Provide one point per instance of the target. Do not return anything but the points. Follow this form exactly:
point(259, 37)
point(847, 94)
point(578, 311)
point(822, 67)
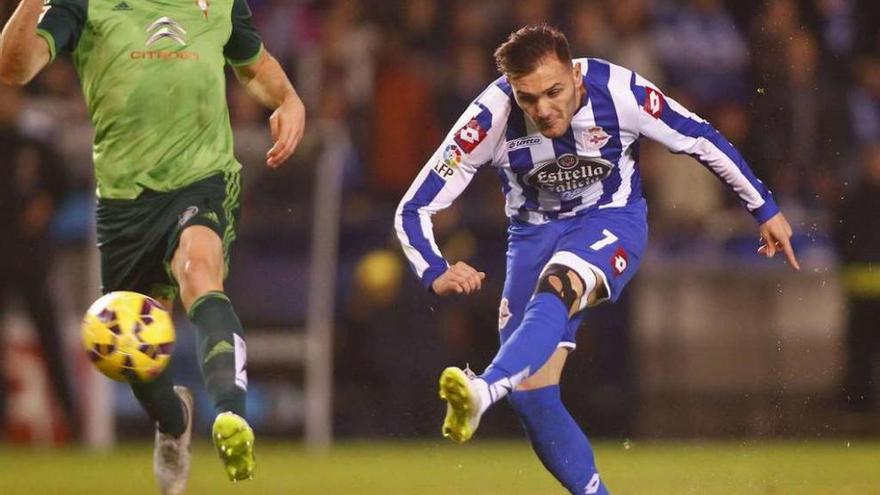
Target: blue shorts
point(610, 241)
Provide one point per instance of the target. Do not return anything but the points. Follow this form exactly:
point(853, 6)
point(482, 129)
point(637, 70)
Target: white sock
point(491, 393)
point(482, 389)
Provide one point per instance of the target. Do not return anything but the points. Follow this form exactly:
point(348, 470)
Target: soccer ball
point(128, 336)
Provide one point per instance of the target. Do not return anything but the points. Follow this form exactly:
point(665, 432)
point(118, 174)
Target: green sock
point(161, 403)
point(221, 350)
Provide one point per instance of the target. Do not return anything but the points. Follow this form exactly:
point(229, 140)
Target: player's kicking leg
point(199, 266)
point(559, 295)
point(557, 439)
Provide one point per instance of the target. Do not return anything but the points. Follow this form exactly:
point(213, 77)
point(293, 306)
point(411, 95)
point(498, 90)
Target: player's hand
point(287, 124)
point(776, 236)
point(459, 278)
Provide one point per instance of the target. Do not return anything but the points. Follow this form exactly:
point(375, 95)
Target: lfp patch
point(452, 156)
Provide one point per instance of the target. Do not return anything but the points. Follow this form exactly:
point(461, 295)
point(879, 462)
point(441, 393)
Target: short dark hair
point(527, 47)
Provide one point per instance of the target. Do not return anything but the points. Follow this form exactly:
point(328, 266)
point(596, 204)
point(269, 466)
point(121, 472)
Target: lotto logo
point(619, 261)
point(523, 142)
point(469, 136)
point(654, 102)
point(593, 485)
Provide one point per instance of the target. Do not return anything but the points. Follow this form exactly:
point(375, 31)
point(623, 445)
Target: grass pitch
point(481, 467)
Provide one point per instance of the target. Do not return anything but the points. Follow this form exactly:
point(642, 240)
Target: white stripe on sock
point(500, 389)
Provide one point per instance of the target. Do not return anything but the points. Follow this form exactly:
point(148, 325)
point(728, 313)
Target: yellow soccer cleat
point(234, 440)
point(462, 405)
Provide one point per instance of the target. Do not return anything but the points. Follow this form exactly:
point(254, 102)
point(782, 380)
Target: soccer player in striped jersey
point(562, 135)
point(153, 78)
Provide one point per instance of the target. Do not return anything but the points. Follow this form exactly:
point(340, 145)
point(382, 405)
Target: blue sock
point(558, 440)
point(530, 345)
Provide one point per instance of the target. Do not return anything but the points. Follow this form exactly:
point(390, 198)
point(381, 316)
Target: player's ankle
point(484, 397)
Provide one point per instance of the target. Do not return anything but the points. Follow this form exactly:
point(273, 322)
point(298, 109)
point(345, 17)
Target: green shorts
point(138, 237)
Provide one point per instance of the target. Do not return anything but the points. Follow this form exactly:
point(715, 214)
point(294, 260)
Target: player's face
point(550, 95)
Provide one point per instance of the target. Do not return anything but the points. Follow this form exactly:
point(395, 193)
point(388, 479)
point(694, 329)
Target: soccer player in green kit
point(152, 73)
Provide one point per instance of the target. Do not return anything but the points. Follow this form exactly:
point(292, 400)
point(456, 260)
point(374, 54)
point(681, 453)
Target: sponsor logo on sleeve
point(469, 136)
point(654, 102)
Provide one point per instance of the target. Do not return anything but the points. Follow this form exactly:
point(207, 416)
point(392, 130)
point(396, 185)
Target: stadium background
point(711, 341)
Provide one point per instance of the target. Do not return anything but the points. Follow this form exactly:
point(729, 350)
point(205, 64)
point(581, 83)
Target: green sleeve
point(62, 23)
point(245, 44)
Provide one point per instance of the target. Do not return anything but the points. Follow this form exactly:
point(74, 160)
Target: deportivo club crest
point(595, 137)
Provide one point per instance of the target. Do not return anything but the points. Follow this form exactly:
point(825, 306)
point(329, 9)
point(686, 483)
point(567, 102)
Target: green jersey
point(152, 72)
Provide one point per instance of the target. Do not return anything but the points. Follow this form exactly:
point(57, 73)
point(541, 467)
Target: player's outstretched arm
point(681, 131)
point(459, 278)
point(776, 236)
point(23, 53)
point(266, 81)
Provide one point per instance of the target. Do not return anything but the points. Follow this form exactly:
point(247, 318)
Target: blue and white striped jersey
point(594, 165)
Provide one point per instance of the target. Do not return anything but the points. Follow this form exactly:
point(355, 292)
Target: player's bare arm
point(776, 236)
point(266, 81)
point(459, 278)
point(23, 53)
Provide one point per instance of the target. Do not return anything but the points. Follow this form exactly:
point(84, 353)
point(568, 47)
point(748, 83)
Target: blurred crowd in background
point(795, 85)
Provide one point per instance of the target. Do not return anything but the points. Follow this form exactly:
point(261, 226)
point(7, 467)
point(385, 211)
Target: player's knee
point(197, 271)
point(564, 283)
